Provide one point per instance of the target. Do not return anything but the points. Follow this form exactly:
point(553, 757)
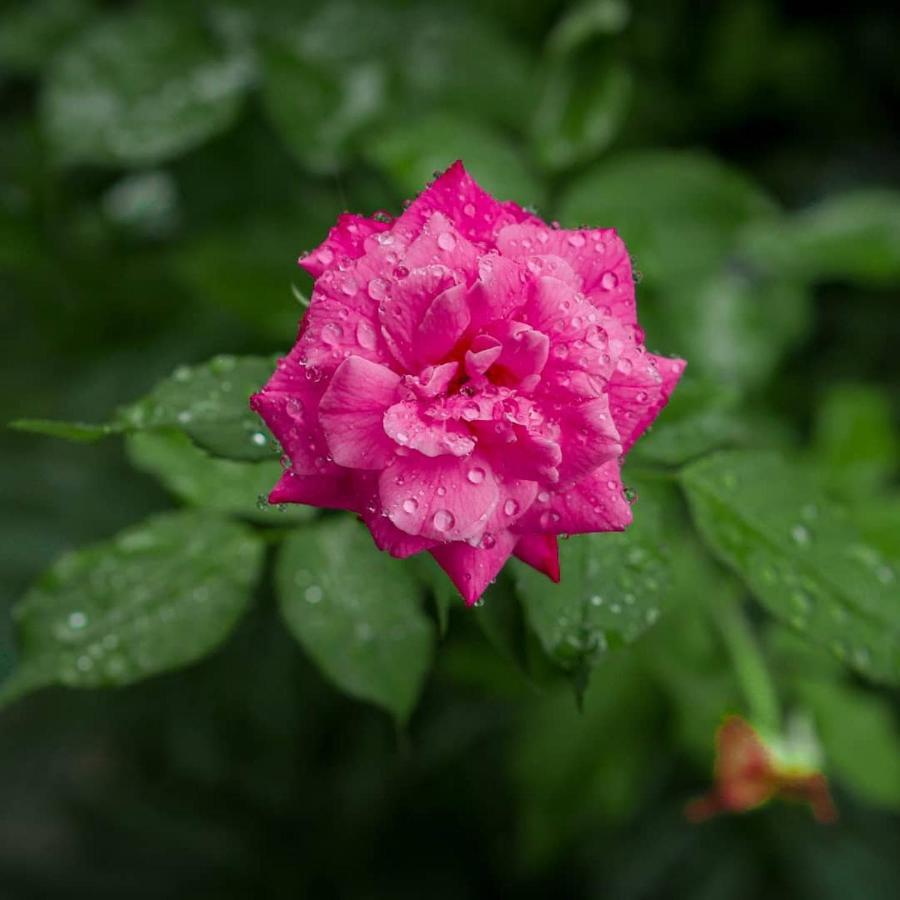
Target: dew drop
point(332, 334)
point(77, 620)
point(511, 507)
point(576, 239)
point(377, 289)
point(365, 335)
point(469, 210)
point(410, 505)
point(475, 475)
point(801, 535)
point(443, 520)
point(313, 594)
point(608, 281)
point(446, 241)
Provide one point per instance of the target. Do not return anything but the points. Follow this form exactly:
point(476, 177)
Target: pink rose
point(467, 379)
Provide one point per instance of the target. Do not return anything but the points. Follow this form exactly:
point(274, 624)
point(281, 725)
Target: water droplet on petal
point(443, 520)
point(410, 505)
point(511, 507)
point(332, 333)
point(608, 281)
point(446, 241)
point(475, 475)
point(365, 335)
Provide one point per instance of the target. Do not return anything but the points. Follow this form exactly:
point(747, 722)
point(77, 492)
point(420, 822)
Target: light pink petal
point(500, 289)
point(483, 353)
point(352, 414)
point(440, 244)
point(525, 353)
point(540, 551)
point(407, 426)
point(401, 313)
point(596, 503)
point(444, 323)
point(344, 241)
point(334, 491)
point(391, 539)
point(476, 214)
point(596, 255)
point(589, 438)
point(639, 389)
point(519, 452)
point(441, 498)
point(472, 569)
point(432, 380)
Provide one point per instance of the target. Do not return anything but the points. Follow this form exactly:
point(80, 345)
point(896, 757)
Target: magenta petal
point(540, 551)
point(391, 539)
point(484, 352)
point(596, 503)
point(325, 491)
point(476, 214)
point(407, 427)
point(441, 498)
point(588, 437)
point(472, 569)
point(444, 323)
point(352, 414)
point(638, 391)
point(345, 240)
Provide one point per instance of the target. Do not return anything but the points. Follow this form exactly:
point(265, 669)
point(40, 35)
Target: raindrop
point(476, 475)
point(410, 505)
point(332, 334)
point(446, 241)
point(801, 535)
point(365, 335)
point(488, 542)
point(313, 594)
point(576, 240)
point(259, 439)
point(377, 289)
point(608, 281)
point(443, 520)
point(511, 507)
point(469, 210)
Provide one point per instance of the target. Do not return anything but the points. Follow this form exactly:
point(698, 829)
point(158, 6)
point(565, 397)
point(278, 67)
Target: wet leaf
point(357, 613)
point(801, 557)
point(157, 596)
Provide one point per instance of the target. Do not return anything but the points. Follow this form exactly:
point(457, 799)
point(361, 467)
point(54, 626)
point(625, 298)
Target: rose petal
point(540, 551)
point(472, 569)
point(345, 240)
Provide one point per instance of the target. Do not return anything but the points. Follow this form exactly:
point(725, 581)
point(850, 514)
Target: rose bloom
point(467, 379)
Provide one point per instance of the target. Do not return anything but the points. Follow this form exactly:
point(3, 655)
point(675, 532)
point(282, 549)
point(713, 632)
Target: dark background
point(247, 775)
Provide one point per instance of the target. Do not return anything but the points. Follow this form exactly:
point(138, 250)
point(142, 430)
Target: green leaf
point(701, 416)
point(613, 588)
point(860, 736)
point(580, 112)
point(412, 152)
point(357, 612)
point(735, 326)
point(223, 485)
point(138, 88)
point(765, 517)
point(586, 20)
point(853, 236)
point(855, 440)
point(678, 212)
point(326, 81)
point(158, 596)
point(79, 432)
point(209, 402)
point(31, 32)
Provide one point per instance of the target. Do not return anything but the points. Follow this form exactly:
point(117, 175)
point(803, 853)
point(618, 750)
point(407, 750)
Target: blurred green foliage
point(162, 165)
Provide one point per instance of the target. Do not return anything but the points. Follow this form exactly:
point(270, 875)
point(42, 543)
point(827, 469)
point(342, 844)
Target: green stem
point(749, 666)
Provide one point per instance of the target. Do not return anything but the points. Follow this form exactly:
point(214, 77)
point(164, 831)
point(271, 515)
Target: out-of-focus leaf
point(576, 769)
point(804, 561)
point(80, 432)
point(456, 61)
point(446, 597)
point(326, 80)
point(143, 204)
point(140, 87)
point(855, 439)
point(248, 269)
point(585, 20)
point(701, 416)
point(412, 152)
point(735, 326)
point(580, 112)
point(860, 737)
point(678, 213)
point(159, 595)
point(223, 485)
point(853, 236)
point(209, 402)
point(31, 32)
point(357, 613)
point(613, 588)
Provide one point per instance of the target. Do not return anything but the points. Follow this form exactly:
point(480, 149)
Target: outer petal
point(327, 491)
point(391, 539)
point(639, 389)
point(472, 569)
point(474, 211)
point(440, 243)
point(541, 552)
point(346, 239)
point(352, 414)
point(444, 498)
point(596, 503)
point(588, 438)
